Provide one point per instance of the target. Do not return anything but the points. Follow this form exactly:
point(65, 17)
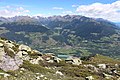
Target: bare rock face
point(9, 63)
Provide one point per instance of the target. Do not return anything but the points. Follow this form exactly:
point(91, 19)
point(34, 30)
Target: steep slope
point(20, 62)
point(84, 27)
point(90, 29)
point(24, 26)
point(19, 30)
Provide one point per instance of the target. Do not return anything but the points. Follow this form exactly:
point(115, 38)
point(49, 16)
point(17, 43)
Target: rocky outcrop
point(11, 56)
point(23, 55)
point(9, 44)
point(24, 48)
point(74, 60)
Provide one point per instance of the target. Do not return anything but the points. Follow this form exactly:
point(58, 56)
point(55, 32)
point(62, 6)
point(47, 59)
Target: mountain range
point(69, 34)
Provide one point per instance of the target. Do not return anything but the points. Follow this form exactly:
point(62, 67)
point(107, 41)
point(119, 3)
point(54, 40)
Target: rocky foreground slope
point(20, 62)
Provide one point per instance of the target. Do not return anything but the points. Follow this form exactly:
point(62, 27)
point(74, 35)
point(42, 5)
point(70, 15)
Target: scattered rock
point(102, 66)
point(92, 67)
point(1, 45)
point(37, 73)
point(36, 52)
point(60, 73)
point(37, 77)
point(24, 48)
point(23, 55)
point(89, 78)
point(9, 45)
point(107, 76)
point(117, 65)
point(42, 75)
point(48, 58)
point(74, 60)
point(45, 78)
point(50, 61)
point(5, 74)
point(56, 59)
point(22, 69)
point(36, 61)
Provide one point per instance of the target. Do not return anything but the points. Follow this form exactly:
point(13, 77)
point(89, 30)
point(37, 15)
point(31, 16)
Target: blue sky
point(107, 9)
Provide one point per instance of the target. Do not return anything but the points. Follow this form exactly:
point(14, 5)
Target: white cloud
point(20, 8)
point(9, 11)
point(98, 10)
point(42, 15)
point(75, 5)
point(8, 7)
point(57, 8)
point(67, 12)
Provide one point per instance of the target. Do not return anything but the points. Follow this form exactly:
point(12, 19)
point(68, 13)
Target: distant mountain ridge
point(85, 27)
point(80, 25)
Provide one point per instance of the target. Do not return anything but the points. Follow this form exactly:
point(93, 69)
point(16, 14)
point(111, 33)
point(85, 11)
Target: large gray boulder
point(9, 63)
